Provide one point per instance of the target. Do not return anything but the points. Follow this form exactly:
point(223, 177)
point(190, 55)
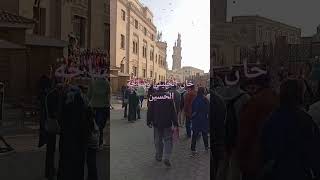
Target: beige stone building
point(184, 73)
point(227, 38)
point(136, 50)
point(44, 38)
point(88, 20)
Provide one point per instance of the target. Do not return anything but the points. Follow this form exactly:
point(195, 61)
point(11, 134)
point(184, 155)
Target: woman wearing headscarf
point(200, 119)
point(133, 105)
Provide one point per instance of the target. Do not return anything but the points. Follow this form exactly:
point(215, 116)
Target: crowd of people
point(75, 106)
point(170, 106)
point(262, 130)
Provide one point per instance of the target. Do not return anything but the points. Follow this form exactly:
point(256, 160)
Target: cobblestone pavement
point(28, 161)
point(132, 154)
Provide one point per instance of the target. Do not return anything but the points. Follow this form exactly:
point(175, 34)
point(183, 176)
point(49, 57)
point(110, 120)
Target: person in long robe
point(133, 106)
point(73, 139)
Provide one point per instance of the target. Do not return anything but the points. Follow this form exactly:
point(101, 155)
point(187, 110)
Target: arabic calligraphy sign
point(169, 96)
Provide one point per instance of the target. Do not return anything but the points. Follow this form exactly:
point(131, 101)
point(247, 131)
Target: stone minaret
point(176, 57)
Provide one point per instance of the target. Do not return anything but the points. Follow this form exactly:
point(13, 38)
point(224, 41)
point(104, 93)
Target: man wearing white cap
point(188, 99)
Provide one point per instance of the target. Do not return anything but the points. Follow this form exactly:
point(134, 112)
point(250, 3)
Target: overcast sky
point(303, 14)
point(190, 18)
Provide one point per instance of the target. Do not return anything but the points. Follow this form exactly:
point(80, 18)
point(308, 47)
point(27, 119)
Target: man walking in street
point(181, 116)
point(163, 132)
point(125, 101)
point(141, 94)
point(133, 106)
point(99, 98)
point(188, 99)
point(176, 97)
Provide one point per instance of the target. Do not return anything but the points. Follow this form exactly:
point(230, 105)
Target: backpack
point(231, 124)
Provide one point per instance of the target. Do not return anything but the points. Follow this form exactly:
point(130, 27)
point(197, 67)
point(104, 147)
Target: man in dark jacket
point(162, 103)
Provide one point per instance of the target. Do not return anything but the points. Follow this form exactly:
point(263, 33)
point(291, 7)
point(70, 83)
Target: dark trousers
point(101, 119)
point(92, 164)
point(72, 157)
point(139, 113)
point(132, 114)
point(141, 100)
point(125, 115)
point(195, 136)
point(188, 127)
point(50, 156)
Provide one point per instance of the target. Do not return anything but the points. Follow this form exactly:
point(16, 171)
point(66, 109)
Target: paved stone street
point(28, 161)
point(132, 154)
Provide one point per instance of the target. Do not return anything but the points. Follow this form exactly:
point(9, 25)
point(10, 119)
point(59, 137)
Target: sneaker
point(167, 163)
point(159, 159)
